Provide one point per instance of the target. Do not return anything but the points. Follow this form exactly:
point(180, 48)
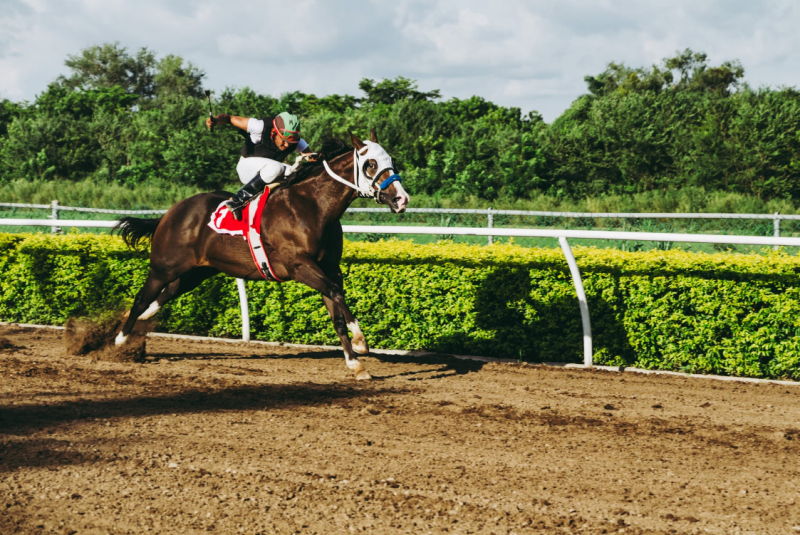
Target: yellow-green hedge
point(708, 313)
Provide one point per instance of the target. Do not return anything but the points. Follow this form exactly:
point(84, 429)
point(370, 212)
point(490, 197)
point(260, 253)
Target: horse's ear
point(372, 136)
point(357, 143)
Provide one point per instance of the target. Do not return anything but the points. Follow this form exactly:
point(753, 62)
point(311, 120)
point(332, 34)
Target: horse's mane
point(331, 148)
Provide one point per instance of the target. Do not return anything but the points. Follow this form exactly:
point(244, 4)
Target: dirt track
point(234, 438)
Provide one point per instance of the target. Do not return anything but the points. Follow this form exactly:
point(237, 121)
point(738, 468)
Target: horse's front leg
point(344, 322)
point(358, 339)
point(333, 295)
point(337, 308)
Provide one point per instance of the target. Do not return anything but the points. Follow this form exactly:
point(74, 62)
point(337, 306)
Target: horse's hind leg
point(142, 308)
point(185, 283)
point(150, 305)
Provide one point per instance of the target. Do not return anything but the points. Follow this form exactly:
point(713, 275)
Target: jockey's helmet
point(288, 126)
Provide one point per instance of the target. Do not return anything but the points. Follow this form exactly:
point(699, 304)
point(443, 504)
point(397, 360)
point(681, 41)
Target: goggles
point(289, 135)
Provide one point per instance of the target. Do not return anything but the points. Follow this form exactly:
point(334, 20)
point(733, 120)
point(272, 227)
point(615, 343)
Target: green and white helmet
point(287, 125)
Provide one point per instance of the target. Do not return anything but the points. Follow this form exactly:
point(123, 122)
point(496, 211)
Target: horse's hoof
point(120, 339)
point(363, 375)
point(361, 349)
point(358, 369)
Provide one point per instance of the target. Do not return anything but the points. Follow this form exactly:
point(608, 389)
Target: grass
point(94, 194)
point(98, 194)
point(162, 195)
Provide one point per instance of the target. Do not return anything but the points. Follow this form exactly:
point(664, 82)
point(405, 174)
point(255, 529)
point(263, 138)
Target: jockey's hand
point(222, 118)
point(311, 156)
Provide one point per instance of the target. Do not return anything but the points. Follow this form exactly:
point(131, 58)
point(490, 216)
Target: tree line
point(134, 118)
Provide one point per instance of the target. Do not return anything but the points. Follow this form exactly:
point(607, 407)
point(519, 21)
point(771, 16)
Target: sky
point(529, 54)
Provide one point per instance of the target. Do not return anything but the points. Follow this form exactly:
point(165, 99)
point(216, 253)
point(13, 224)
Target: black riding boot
point(243, 196)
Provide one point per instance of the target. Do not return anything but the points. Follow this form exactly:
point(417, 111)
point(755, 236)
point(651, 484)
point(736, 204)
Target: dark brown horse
point(300, 230)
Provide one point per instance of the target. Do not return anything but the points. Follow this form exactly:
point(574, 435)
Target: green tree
point(173, 77)
point(688, 70)
point(110, 65)
point(8, 112)
point(136, 119)
point(643, 129)
point(695, 74)
point(618, 77)
point(247, 103)
point(57, 136)
point(390, 91)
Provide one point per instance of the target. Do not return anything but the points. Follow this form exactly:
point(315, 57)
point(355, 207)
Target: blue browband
point(394, 178)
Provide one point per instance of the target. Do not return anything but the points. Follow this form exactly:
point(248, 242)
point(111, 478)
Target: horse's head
point(376, 174)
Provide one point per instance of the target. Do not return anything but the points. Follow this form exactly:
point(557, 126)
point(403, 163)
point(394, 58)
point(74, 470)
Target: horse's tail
point(134, 229)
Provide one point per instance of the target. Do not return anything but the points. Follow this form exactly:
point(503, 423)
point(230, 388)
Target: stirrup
point(235, 208)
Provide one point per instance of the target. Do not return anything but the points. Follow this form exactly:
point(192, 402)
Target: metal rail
point(490, 213)
point(477, 211)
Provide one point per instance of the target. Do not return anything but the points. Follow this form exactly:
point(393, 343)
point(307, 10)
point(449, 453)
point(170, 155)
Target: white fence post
point(776, 227)
point(54, 215)
point(489, 224)
point(583, 304)
point(244, 308)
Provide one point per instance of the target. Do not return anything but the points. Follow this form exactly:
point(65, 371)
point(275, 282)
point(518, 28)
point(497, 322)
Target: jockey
point(262, 153)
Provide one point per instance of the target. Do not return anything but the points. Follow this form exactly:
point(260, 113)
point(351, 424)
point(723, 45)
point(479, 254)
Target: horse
point(300, 231)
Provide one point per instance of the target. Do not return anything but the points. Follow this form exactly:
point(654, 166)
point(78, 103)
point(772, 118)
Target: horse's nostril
point(400, 202)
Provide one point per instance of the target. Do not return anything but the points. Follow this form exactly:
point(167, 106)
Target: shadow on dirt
point(248, 353)
point(25, 419)
point(40, 453)
point(449, 365)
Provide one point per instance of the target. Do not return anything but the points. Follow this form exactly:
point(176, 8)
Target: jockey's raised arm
point(224, 118)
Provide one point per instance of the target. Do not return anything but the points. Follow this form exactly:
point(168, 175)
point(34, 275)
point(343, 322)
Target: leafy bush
point(707, 313)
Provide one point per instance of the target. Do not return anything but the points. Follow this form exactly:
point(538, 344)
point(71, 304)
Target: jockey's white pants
point(270, 170)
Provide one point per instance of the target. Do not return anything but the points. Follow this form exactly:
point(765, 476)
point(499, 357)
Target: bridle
point(366, 185)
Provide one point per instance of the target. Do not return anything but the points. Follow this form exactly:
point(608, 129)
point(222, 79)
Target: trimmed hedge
point(723, 313)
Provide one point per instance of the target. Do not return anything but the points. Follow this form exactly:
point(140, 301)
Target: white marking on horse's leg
point(120, 339)
point(359, 342)
point(357, 367)
point(150, 312)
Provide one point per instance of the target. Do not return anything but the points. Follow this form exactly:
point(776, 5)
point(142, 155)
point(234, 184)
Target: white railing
point(55, 210)
point(561, 235)
point(490, 213)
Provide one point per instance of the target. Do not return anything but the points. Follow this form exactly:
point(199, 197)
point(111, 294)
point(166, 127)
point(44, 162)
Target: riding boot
point(243, 196)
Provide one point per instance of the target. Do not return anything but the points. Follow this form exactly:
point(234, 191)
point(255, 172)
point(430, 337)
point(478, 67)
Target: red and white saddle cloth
point(249, 228)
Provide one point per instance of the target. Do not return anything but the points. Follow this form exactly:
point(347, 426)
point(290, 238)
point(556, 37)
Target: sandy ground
point(245, 438)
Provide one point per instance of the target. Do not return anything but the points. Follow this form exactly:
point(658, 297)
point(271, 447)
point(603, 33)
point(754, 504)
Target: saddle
point(249, 228)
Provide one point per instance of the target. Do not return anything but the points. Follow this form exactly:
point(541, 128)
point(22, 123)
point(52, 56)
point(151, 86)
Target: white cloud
point(524, 53)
